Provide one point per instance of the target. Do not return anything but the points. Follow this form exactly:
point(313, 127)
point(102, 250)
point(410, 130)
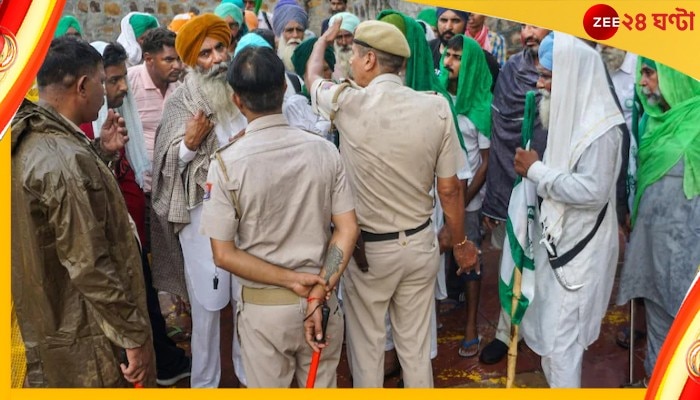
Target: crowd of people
point(331, 188)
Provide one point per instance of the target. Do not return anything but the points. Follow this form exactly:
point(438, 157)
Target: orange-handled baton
point(316, 357)
point(125, 360)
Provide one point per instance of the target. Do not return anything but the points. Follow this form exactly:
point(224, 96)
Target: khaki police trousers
point(275, 350)
point(401, 279)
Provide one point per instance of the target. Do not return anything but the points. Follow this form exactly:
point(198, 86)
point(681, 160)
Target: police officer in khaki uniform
point(394, 142)
point(271, 197)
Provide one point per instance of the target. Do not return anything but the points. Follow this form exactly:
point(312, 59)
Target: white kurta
point(584, 192)
point(200, 271)
point(576, 179)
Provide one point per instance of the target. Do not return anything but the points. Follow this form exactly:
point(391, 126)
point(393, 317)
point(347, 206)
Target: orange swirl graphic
point(8, 49)
point(693, 361)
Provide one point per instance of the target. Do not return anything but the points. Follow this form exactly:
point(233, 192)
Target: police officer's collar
point(265, 122)
point(386, 77)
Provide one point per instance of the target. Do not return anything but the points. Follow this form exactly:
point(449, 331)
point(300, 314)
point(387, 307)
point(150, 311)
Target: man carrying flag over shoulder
point(575, 261)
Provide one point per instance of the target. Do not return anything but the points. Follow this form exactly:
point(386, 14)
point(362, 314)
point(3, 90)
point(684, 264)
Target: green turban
point(224, 10)
point(397, 20)
point(67, 21)
point(141, 23)
point(231, 10)
point(237, 3)
point(301, 55)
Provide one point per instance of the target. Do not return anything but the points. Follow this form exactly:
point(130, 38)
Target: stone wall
point(101, 19)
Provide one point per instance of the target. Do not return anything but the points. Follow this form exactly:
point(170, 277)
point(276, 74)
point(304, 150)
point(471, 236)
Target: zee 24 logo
point(601, 21)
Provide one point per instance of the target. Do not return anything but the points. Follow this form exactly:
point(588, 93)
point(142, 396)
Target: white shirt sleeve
point(464, 170)
point(590, 183)
point(468, 131)
point(484, 142)
point(185, 156)
point(300, 115)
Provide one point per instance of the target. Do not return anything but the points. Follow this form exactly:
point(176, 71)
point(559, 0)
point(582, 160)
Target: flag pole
point(514, 330)
point(527, 128)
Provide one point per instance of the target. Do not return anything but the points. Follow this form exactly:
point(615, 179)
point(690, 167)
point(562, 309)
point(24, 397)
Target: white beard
point(653, 98)
point(285, 51)
point(342, 62)
point(217, 91)
point(544, 108)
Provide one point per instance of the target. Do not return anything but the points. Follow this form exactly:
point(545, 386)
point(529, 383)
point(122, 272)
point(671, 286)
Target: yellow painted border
point(672, 47)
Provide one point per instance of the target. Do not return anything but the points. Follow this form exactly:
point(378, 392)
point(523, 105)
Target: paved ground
point(605, 364)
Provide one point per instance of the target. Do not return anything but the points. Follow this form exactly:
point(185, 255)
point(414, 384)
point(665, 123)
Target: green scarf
point(420, 73)
point(429, 16)
point(474, 86)
point(258, 4)
point(666, 137)
point(67, 21)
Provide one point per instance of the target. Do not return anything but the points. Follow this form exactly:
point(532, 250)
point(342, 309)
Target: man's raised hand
point(332, 31)
point(113, 134)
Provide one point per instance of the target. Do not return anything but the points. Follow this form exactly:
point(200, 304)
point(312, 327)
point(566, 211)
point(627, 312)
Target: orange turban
point(191, 35)
point(251, 20)
point(180, 20)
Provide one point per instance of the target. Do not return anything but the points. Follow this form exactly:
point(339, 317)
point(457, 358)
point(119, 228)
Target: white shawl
point(127, 38)
point(136, 146)
point(582, 109)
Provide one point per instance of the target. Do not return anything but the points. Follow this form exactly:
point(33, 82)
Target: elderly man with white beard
point(575, 262)
point(197, 119)
point(343, 43)
point(289, 25)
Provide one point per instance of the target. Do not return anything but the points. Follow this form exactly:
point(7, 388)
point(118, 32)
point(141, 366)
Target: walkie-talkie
point(325, 314)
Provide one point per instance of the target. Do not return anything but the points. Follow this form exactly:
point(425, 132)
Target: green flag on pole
point(517, 249)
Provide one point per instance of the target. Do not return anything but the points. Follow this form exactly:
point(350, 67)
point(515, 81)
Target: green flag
point(517, 248)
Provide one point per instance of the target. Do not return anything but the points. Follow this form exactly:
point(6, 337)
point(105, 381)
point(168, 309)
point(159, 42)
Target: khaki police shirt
point(394, 141)
point(289, 183)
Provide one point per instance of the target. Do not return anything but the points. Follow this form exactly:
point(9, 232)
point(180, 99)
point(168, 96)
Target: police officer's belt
point(378, 237)
point(269, 296)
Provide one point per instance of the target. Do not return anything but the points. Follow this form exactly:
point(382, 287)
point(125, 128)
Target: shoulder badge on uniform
point(207, 191)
